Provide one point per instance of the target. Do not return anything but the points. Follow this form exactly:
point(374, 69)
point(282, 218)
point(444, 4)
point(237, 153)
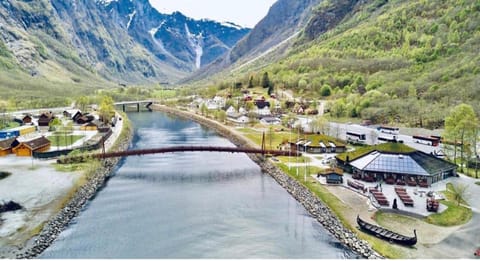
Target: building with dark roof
point(410, 168)
point(6, 146)
point(27, 148)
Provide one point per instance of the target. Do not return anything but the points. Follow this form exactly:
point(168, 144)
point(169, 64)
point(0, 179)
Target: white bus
point(389, 130)
point(356, 137)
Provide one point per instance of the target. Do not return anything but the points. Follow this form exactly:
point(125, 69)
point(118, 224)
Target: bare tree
point(459, 192)
point(373, 137)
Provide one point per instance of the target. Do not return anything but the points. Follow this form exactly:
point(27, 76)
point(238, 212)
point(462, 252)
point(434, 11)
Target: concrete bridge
point(124, 104)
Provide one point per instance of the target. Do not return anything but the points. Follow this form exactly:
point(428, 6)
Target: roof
point(415, 163)
point(319, 140)
point(389, 147)
point(37, 143)
point(6, 144)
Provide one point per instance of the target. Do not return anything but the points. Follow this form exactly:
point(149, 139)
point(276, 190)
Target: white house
point(231, 112)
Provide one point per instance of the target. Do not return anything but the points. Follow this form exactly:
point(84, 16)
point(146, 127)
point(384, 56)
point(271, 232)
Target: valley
point(372, 93)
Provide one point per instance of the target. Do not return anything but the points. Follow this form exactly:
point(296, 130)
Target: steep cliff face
point(123, 40)
point(284, 19)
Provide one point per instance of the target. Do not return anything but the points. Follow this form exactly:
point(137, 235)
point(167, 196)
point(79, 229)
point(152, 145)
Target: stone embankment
point(58, 223)
point(303, 195)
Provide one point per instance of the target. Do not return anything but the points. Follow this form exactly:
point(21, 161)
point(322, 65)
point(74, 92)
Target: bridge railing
point(181, 149)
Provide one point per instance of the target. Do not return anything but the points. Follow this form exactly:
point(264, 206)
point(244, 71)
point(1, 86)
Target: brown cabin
point(45, 119)
point(27, 148)
point(27, 119)
point(6, 146)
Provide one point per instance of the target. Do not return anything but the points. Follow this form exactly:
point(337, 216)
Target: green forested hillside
point(404, 61)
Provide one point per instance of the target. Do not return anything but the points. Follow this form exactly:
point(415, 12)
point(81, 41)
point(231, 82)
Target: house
point(317, 143)
point(333, 176)
point(26, 148)
point(89, 126)
point(270, 121)
point(399, 164)
point(240, 120)
point(77, 115)
point(231, 112)
point(261, 112)
point(84, 119)
point(45, 119)
point(6, 146)
point(70, 113)
point(27, 119)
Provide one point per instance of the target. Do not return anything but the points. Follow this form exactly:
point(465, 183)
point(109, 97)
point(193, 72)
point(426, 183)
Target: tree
point(373, 137)
point(106, 108)
point(82, 103)
point(221, 116)
point(270, 89)
point(460, 125)
point(326, 90)
point(203, 109)
point(319, 124)
point(250, 82)
point(54, 124)
point(270, 136)
point(458, 192)
point(265, 80)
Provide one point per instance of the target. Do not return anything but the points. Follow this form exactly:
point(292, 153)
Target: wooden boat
point(387, 234)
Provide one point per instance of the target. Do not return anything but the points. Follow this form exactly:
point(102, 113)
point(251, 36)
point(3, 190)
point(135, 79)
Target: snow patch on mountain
point(232, 25)
point(106, 2)
point(130, 16)
point(196, 42)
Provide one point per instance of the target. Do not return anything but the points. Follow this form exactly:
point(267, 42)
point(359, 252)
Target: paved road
point(463, 242)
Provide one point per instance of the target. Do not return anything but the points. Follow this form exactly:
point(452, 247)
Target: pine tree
point(250, 82)
point(265, 80)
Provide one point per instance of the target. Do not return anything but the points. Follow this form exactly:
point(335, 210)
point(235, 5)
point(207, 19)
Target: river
point(192, 205)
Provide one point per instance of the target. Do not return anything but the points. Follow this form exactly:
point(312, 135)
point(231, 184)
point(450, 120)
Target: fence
point(58, 153)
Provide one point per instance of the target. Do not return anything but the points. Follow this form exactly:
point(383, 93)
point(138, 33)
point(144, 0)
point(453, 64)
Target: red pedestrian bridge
point(173, 149)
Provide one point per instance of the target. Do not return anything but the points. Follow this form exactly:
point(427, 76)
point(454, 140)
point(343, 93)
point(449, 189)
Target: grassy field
point(61, 140)
point(454, 215)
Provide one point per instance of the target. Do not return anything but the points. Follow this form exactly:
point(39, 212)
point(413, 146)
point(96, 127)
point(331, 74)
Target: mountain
point(273, 36)
point(407, 62)
point(85, 43)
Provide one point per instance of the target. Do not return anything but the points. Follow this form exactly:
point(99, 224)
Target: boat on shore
point(386, 234)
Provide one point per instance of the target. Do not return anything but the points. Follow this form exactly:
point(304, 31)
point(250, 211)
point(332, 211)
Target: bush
point(4, 174)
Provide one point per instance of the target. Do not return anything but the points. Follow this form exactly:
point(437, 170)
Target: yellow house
point(89, 127)
point(27, 148)
point(6, 146)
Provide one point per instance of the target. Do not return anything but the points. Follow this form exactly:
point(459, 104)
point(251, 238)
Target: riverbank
point(74, 199)
point(312, 204)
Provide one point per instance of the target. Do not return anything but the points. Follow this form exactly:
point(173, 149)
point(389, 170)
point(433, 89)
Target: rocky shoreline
point(303, 195)
point(60, 221)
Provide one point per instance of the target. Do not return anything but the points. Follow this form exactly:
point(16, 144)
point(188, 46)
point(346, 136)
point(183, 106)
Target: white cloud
point(242, 12)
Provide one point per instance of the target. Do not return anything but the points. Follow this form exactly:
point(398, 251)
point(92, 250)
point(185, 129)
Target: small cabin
point(89, 126)
point(27, 120)
point(333, 176)
point(27, 148)
point(6, 146)
point(45, 119)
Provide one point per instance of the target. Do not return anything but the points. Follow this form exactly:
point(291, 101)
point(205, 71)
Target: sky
point(246, 13)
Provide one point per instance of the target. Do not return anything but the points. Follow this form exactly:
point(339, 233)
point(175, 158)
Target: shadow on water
point(183, 177)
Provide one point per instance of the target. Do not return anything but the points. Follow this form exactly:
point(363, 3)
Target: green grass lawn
point(61, 140)
point(384, 147)
point(453, 216)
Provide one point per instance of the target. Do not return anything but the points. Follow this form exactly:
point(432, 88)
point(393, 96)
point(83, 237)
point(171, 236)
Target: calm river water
point(192, 205)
